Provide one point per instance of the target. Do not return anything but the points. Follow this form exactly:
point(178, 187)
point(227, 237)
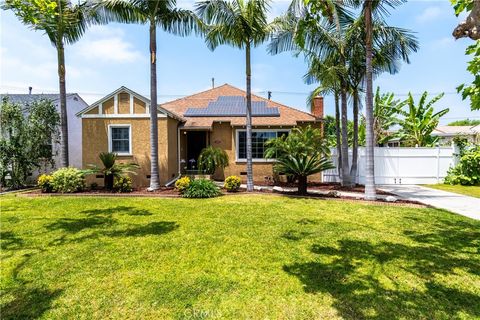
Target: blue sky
point(113, 55)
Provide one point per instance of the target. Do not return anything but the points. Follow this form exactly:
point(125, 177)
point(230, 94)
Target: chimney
point(213, 83)
point(30, 90)
point(317, 107)
point(269, 95)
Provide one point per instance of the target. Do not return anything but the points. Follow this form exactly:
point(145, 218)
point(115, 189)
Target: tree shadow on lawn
point(10, 241)
point(386, 280)
point(28, 302)
point(131, 211)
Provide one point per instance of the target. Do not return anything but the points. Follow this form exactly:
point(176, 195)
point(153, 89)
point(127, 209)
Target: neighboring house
point(447, 133)
point(74, 104)
point(120, 122)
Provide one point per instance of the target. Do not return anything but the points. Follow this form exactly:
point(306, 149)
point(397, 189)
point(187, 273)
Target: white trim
point(100, 108)
point(147, 108)
point(131, 103)
point(115, 104)
point(129, 126)
point(121, 116)
point(237, 148)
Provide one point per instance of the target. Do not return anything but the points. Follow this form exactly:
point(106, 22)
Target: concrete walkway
point(457, 203)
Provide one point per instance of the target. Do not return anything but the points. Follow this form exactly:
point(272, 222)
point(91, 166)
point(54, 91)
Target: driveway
point(457, 203)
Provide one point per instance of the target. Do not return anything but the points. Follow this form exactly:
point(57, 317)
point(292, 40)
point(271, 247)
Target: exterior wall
point(95, 140)
point(123, 103)
point(224, 136)
point(139, 106)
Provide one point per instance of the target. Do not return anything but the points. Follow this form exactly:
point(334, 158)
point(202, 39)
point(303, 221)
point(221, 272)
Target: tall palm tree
point(155, 13)
point(242, 24)
point(64, 23)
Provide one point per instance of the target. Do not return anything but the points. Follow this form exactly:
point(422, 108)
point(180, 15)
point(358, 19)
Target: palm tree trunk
point(302, 185)
point(154, 174)
point(370, 193)
point(249, 119)
point(63, 103)
point(354, 168)
point(337, 135)
point(346, 181)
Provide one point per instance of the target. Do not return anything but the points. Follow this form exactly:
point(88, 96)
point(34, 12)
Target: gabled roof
point(287, 116)
point(129, 91)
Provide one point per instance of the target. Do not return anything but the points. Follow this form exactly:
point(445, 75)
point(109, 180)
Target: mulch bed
point(322, 186)
point(169, 192)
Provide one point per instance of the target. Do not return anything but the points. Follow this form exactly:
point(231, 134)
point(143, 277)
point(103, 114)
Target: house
point(74, 104)
point(120, 123)
point(447, 133)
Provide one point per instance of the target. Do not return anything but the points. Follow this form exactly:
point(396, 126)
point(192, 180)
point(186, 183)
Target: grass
point(237, 257)
point(472, 191)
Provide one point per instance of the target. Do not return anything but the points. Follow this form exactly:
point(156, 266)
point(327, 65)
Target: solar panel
point(232, 106)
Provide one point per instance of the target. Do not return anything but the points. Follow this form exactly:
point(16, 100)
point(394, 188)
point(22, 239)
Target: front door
point(196, 141)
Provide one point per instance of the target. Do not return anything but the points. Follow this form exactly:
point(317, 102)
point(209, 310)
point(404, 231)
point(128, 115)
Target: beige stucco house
point(119, 123)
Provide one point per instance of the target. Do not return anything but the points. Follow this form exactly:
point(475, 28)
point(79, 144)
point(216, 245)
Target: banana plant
point(419, 120)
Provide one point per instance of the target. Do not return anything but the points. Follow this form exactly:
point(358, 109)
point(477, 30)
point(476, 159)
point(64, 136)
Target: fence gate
point(401, 165)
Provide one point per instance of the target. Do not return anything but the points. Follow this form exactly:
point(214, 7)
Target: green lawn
point(472, 191)
point(236, 257)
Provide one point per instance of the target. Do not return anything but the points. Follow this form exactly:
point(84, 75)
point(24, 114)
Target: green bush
point(68, 180)
point(182, 184)
point(122, 184)
point(201, 188)
point(212, 158)
point(45, 182)
point(467, 171)
point(232, 183)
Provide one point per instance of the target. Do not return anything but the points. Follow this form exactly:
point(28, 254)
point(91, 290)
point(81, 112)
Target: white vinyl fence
point(401, 165)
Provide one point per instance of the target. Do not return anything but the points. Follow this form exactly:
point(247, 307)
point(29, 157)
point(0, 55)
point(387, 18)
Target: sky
point(113, 55)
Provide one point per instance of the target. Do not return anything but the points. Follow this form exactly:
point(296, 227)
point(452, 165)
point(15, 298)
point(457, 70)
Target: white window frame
point(129, 126)
point(237, 143)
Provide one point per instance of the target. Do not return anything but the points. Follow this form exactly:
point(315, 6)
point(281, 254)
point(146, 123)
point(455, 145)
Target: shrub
point(182, 184)
point(93, 186)
point(467, 171)
point(111, 169)
point(201, 188)
point(212, 158)
point(232, 183)
point(68, 180)
point(45, 182)
point(122, 184)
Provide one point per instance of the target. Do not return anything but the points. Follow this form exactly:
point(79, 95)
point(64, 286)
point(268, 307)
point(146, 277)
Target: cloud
point(429, 14)
point(107, 44)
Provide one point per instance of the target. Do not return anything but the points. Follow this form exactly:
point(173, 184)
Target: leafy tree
point(64, 23)
point(465, 122)
point(241, 24)
point(111, 169)
point(471, 26)
point(154, 13)
point(26, 139)
point(300, 154)
point(419, 120)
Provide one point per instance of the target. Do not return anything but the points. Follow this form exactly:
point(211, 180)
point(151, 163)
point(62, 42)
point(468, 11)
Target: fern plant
point(111, 169)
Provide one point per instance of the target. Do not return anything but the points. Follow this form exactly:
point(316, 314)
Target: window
point(120, 139)
point(259, 137)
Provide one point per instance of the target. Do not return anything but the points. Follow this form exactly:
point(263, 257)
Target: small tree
point(212, 158)
point(27, 136)
point(300, 154)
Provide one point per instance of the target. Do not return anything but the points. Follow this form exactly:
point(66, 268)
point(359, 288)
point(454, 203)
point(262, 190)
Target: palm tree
point(242, 24)
point(64, 23)
point(155, 13)
point(419, 121)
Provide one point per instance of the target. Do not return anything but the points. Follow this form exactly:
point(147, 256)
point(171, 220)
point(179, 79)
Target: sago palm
point(64, 23)
point(241, 24)
point(154, 13)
